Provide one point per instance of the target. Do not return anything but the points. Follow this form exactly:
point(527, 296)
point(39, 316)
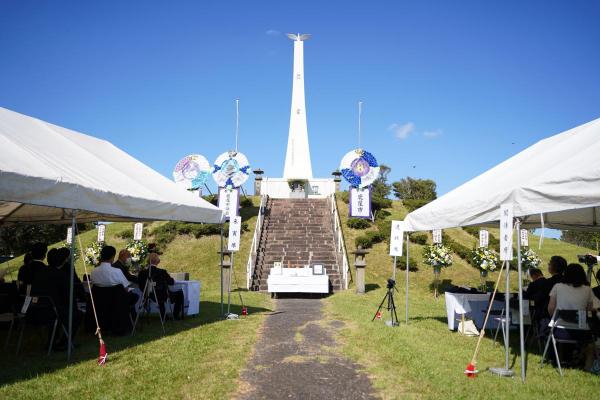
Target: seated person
point(123, 263)
point(34, 261)
point(574, 293)
point(105, 275)
point(162, 279)
point(64, 267)
point(535, 291)
point(50, 281)
point(556, 268)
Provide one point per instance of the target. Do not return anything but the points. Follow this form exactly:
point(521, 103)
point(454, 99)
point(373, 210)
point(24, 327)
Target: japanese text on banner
point(396, 238)
point(137, 231)
point(484, 238)
point(506, 232)
point(101, 231)
point(235, 233)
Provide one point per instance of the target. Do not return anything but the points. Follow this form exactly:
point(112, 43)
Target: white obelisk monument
point(298, 167)
point(297, 157)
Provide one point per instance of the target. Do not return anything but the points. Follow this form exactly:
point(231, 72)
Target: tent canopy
point(557, 179)
point(47, 171)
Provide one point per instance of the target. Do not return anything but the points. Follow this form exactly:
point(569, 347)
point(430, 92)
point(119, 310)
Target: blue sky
point(449, 88)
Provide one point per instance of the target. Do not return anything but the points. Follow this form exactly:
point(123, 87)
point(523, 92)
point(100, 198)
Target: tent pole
point(507, 319)
point(521, 334)
point(71, 279)
point(407, 275)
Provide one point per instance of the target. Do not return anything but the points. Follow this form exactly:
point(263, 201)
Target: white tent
point(555, 182)
point(47, 171)
point(558, 177)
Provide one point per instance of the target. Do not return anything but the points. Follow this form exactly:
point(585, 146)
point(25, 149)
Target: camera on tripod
point(391, 284)
point(587, 259)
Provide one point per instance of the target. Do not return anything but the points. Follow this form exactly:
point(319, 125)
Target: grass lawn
point(424, 359)
point(198, 358)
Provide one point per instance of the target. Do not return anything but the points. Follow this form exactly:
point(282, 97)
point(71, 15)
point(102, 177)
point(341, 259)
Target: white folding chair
point(564, 319)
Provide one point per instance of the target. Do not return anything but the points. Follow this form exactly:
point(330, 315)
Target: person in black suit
point(162, 279)
point(37, 253)
point(535, 291)
point(123, 263)
point(52, 282)
point(556, 267)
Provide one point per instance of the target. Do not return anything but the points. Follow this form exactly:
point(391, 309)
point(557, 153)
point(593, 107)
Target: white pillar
point(297, 158)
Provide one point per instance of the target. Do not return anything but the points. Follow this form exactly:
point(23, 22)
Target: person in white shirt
point(574, 293)
point(104, 275)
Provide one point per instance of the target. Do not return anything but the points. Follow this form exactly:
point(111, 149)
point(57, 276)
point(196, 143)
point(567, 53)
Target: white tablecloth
point(296, 280)
point(191, 297)
point(473, 305)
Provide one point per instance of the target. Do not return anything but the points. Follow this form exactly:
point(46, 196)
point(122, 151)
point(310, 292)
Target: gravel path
point(295, 358)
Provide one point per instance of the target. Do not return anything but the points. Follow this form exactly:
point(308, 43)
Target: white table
point(191, 297)
point(296, 280)
point(473, 305)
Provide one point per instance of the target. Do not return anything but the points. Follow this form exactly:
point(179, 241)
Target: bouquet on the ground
point(484, 259)
point(437, 255)
point(68, 246)
point(138, 250)
point(529, 259)
point(92, 253)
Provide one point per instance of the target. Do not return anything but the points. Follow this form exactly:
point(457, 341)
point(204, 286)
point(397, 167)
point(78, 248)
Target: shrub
point(401, 263)
point(462, 251)
point(166, 233)
point(385, 228)
point(128, 234)
point(379, 203)
point(246, 202)
point(344, 196)
point(358, 223)
point(418, 238)
point(364, 242)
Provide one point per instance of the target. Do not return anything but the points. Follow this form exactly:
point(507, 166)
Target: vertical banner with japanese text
point(360, 203)
point(138, 229)
point(235, 233)
point(229, 201)
point(506, 232)
point(524, 238)
point(396, 238)
point(484, 238)
point(101, 231)
point(437, 236)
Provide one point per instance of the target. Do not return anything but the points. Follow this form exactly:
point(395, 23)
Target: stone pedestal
point(360, 262)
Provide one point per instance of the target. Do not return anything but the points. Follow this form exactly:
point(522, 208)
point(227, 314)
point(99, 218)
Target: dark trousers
point(177, 300)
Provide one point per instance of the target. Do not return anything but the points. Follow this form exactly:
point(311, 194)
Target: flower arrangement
point(484, 259)
point(92, 253)
point(529, 259)
point(437, 255)
point(68, 246)
point(138, 250)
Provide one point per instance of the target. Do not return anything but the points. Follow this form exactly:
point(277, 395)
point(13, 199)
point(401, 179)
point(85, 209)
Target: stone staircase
point(292, 230)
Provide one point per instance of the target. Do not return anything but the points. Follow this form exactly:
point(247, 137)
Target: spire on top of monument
point(297, 158)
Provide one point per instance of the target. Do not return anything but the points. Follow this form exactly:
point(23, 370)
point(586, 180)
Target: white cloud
point(273, 32)
point(432, 134)
point(402, 131)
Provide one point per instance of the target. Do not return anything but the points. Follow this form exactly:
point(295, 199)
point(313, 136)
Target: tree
point(16, 239)
point(380, 187)
point(415, 189)
point(415, 193)
point(591, 240)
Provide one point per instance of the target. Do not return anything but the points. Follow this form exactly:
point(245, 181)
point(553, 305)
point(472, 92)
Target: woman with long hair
point(574, 293)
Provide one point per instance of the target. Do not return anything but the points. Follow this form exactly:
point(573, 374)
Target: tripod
point(391, 305)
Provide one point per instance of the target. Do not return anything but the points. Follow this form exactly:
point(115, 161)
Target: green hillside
point(203, 356)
